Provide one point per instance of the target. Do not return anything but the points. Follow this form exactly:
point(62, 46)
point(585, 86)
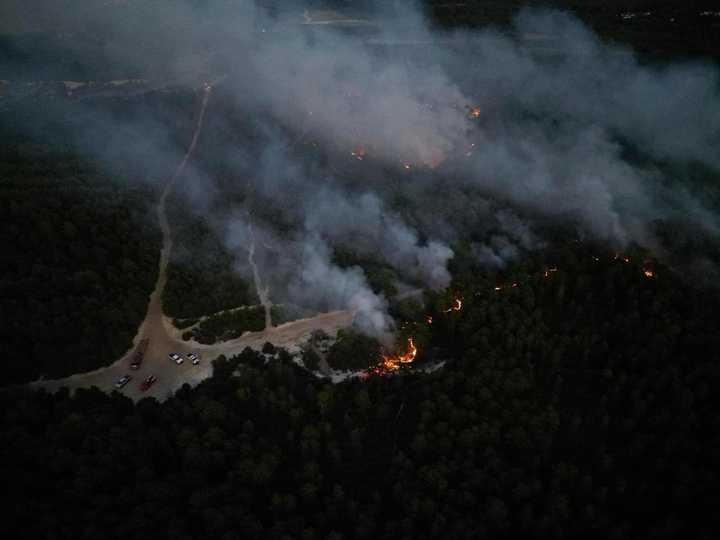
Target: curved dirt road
point(164, 337)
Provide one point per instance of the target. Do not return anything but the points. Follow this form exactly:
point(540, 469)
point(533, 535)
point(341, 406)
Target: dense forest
point(577, 404)
point(80, 261)
point(79, 231)
point(200, 284)
point(203, 276)
point(576, 395)
point(228, 324)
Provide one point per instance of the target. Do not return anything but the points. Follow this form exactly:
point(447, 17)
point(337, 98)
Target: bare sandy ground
point(171, 376)
point(164, 338)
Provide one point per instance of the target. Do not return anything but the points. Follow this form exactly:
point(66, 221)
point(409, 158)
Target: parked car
point(175, 357)
point(148, 382)
point(139, 354)
point(122, 381)
point(194, 358)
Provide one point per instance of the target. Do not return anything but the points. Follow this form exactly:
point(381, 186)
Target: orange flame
point(393, 363)
point(648, 273)
point(475, 112)
point(457, 306)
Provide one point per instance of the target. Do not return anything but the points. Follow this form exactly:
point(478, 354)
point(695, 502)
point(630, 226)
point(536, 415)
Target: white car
point(122, 381)
point(194, 358)
point(175, 357)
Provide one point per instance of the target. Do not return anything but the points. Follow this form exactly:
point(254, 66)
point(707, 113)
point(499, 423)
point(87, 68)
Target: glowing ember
point(622, 258)
point(393, 363)
point(648, 273)
point(457, 306)
point(474, 112)
point(377, 370)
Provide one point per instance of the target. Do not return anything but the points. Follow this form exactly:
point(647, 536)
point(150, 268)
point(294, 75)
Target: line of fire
point(394, 362)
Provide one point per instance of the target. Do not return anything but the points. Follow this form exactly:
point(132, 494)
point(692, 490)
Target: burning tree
point(456, 305)
point(393, 362)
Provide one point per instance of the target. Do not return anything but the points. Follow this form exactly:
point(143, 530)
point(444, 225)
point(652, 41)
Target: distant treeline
point(672, 28)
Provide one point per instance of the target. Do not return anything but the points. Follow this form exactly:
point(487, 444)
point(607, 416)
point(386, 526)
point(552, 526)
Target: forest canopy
point(573, 406)
point(81, 257)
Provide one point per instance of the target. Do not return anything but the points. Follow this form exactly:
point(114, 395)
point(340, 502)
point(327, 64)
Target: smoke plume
point(400, 141)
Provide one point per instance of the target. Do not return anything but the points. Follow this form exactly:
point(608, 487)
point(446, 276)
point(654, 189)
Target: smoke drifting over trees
point(551, 140)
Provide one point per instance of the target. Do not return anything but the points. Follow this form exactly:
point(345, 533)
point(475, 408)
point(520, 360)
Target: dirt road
point(263, 291)
point(164, 337)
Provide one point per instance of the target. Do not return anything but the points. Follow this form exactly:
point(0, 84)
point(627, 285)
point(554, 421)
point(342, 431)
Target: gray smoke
point(364, 223)
point(551, 140)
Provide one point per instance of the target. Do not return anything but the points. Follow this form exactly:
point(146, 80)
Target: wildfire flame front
point(393, 363)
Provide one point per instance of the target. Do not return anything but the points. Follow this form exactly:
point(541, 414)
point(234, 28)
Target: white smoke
point(551, 140)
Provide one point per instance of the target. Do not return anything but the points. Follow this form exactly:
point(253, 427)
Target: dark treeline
point(353, 351)
point(578, 405)
point(228, 324)
point(73, 51)
point(202, 277)
point(658, 29)
point(80, 261)
point(654, 28)
point(79, 232)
